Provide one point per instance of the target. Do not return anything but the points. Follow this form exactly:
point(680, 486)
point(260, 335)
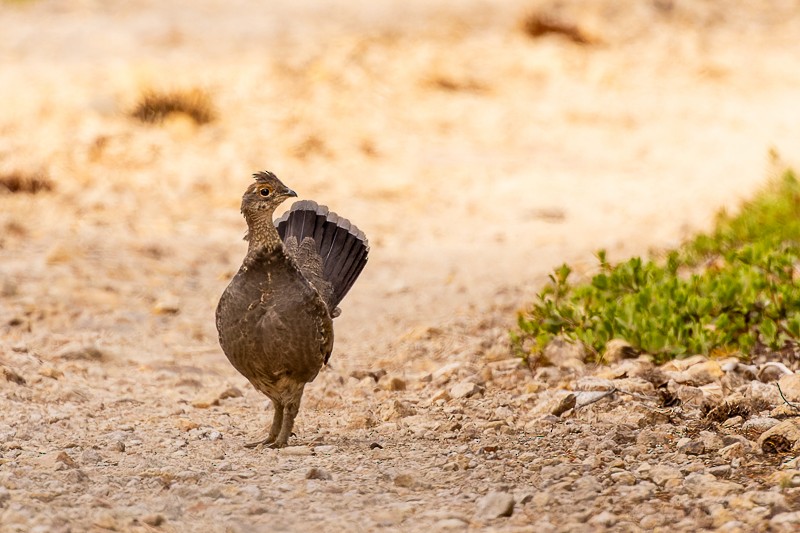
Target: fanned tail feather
point(343, 248)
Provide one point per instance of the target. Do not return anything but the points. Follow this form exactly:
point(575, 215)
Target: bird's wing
point(288, 299)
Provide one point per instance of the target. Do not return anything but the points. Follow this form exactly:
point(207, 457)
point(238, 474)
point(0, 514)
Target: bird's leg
point(277, 423)
point(291, 409)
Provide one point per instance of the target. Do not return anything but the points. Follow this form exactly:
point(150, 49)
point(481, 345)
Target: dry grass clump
point(17, 181)
point(537, 25)
point(154, 107)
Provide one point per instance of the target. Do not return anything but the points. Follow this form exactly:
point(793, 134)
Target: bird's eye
point(264, 192)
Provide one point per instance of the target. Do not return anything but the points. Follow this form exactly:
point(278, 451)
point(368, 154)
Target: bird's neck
point(261, 231)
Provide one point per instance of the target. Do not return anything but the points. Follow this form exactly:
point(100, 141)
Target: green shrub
point(726, 292)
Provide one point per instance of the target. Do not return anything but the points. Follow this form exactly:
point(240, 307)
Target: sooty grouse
point(275, 318)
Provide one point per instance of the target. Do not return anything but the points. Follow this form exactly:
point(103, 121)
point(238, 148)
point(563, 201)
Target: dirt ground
point(475, 156)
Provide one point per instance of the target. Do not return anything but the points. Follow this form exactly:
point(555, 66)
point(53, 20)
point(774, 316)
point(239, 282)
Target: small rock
point(772, 371)
point(5, 495)
point(660, 474)
point(711, 441)
point(325, 449)
point(617, 350)
point(106, 520)
point(443, 395)
point(186, 425)
point(205, 403)
point(565, 354)
point(708, 486)
point(693, 447)
point(153, 520)
point(405, 480)
point(393, 384)
point(230, 392)
point(720, 470)
point(90, 456)
point(605, 519)
point(252, 491)
point(786, 519)
point(623, 478)
point(318, 473)
point(790, 387)
point(652, 521)
point(448, 524)
point(732, 451)
point(733, 422)
point(754, 427)
point(118, 446)
point(652, 437)
point(297, 451)
point(783, 437)
point(58, 460)
point(727, 440)
point(496, 505)
point(763, 392)
point(212, 492)
point(704, 373)
point(567, 402)
point(584, 398)
point(50, 372)
point(465, 389)
point(167, 306)
point(395, 410)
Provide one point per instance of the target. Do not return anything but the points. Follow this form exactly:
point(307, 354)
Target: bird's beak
point(290, 193)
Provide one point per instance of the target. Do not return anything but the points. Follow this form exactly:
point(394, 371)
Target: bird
point(275, 317)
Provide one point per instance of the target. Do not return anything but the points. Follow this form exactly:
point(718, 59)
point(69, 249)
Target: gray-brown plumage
point(275, 318)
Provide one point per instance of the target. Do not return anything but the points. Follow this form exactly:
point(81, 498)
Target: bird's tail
point(342, 247)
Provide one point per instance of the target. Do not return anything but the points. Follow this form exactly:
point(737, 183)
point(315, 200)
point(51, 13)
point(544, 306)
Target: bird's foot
point(280, 442)
point(270, 439)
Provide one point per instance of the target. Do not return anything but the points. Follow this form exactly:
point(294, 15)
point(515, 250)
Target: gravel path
point(475, 158)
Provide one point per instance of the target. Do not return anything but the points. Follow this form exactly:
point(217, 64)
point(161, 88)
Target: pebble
point(91, 456)
point(252, 491)
point(623, 478)
point(465, 389)
point(5, 495)
point(720, 470)
point(660, 474)
point(153, 520)
point(772, 371)
point(790, 387)
point(783, 437)
point(318, 473)
point(605, 519)
point(405, 480)
point(754, 427)
point(449, 524)
point(736, 449)
point(691, 447)
point(299, 451)
point(495, 505)
point(326, 449)
point(786, 519)
point(708, 486)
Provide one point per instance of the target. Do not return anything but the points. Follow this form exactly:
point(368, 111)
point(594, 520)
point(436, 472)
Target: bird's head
point(262, 197)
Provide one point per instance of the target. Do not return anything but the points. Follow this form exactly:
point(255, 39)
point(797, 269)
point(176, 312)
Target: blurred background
point(478, 144)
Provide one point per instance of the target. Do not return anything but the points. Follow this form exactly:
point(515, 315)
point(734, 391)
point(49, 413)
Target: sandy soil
point(475, 157)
